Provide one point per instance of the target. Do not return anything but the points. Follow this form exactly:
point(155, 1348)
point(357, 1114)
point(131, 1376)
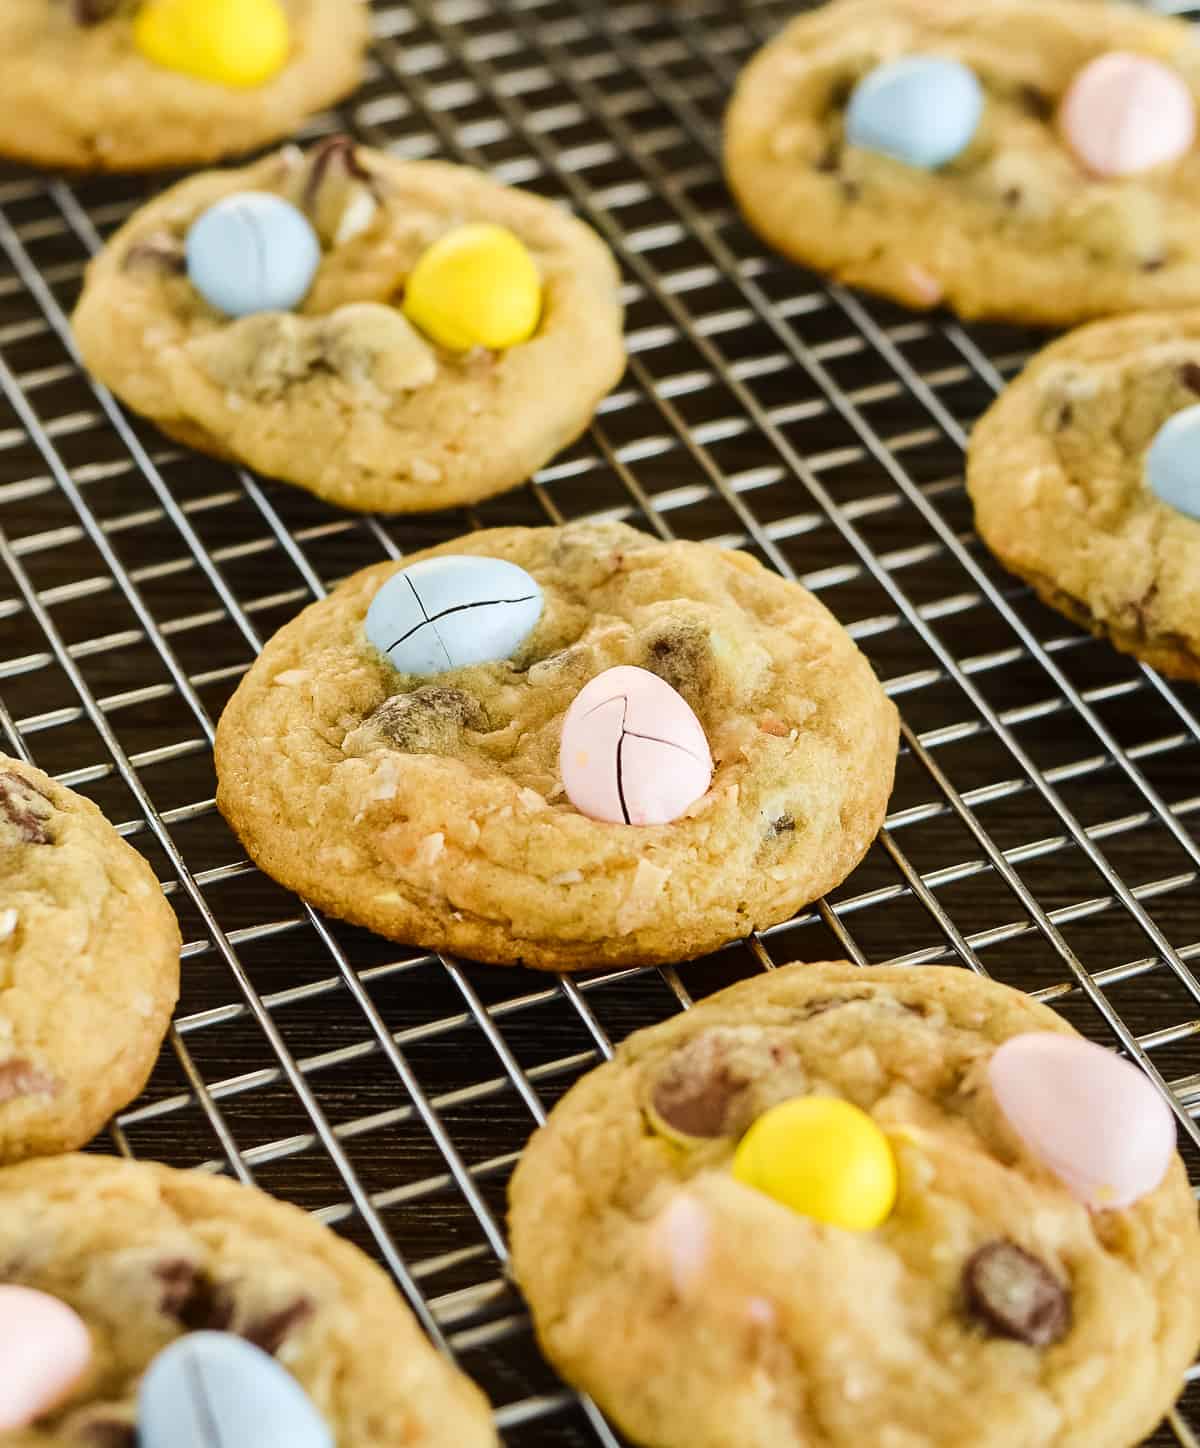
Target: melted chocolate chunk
point(22, 1078)
point(1066, 416)
point(703, 1091)
point(25, 807)
point(92, 12)
point(680, 653)
point(192, 1297)
point(430, 720)
point(1014, 1294)
point(337, 154)
point(1036, 102)
point(270, 1332)
point(1189, 375)
point(178, 1278)
point(108, 1433)
point(160, 252)
point(783, 825)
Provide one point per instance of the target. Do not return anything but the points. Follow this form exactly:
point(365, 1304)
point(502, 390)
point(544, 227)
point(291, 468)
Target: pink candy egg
point(632, 751)
point(44, 1349)
point(1127, 113)
point(1092, 1118)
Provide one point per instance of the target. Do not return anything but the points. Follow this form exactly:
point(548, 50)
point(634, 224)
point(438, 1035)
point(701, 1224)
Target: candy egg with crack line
point(453, 612)
point(922, 110)
point(252, 252)
point(45, 1349)
point(219, 1391)
point(632, 750)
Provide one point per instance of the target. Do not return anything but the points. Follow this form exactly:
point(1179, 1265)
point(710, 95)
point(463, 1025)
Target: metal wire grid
point(1042, 828)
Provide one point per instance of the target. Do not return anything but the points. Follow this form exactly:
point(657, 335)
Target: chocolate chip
point(1013, 196)
point(1036, 102)
point(430, 720)
point(22, 1078)
point(107, 1433)
point(25, 807)
point(831, 159)
point(783, 825)
point(199, 1304)
point(1014, 1294)
point(680, 652)
point(178, 1278)
point(1154, 263)
point(1066, 416)
point(335, 190)
point(270, 1332)
point(703, 1090)
point(840, 93)
point(1189, 375)
point(92, 12)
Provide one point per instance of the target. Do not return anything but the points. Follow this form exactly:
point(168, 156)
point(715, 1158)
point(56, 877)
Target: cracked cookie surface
point(1057, 474)
point(991, 1308)
point(89, 966)
point(145, 1254)
point(433, 811)
point(1014, 228)
point(343, 397)
point(80, 95)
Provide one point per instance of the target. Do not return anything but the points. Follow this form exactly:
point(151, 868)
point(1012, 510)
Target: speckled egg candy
point(632, 751)
point(1127, 113)
point(923, 110)
point(452, 612)
point(1173, 462)
point(44, 1350)
point(212, 1388)
point(253, 252)
point(1094, 1120)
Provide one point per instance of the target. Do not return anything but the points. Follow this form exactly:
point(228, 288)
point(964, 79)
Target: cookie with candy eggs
point(1085, 479)
point(390, 335)
point(1027, 160)
point(89, 967)
point(560, 747)
point(143, 1307)
point(836, 1205)
point(129, 85)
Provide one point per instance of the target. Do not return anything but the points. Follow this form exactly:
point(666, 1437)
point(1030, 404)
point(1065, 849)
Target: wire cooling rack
point(1043, 827)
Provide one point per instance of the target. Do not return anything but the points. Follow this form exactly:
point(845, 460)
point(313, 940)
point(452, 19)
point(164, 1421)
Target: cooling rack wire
point(1043, 828)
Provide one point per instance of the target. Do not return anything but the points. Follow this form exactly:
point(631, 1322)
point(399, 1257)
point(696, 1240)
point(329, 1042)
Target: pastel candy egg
point(452, 612)
point(44, 1348)
point(1093, 1119)
point(923, 110)
point(253, 252)
point(231, 42)
point(632, 751)
point(216, 1390)
point(477, 286)
point(1173, 462)
point(824, 1158)
point(1127, 113)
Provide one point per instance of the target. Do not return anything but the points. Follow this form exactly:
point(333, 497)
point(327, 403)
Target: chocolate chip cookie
point(344, 396)
point(1015, 226)
point(89, 966)
point(992, 1308)
point(145, 1254)
point(78, 94)
point(1057, 473)
point(433, 809)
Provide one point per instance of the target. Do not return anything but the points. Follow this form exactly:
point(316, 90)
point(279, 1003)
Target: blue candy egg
point(252, 252)
point(1173, 462)
point(214, 1390)
point(449, 613)
point(922, 110)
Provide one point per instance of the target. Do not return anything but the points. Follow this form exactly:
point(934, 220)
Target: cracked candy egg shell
point(299, 397)
point(147, 1255)
point(633, 1245)
point(434, 810)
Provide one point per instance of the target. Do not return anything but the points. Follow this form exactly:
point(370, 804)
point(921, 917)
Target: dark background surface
point(1044, 821)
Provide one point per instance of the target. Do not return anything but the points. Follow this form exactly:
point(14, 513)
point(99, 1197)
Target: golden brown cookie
point(991, 1309)
point(433, 809)
point(1013, 228)
point(1057, 474)
point(343, 397)
point(145, 1254)
point(77, 93)
point(89, 966)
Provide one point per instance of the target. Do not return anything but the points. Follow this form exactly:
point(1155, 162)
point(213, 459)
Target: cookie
point(1058, 473)
point(145, 1255)
point(433, 808)
point(1016, 225)
point(670, 1278)
point(346, 396)
point(89, 967)
point(79, 92)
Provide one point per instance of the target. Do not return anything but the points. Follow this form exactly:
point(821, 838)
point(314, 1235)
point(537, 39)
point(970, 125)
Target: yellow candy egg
point(232, 42)
point(477, 286)
point(824, 1158)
